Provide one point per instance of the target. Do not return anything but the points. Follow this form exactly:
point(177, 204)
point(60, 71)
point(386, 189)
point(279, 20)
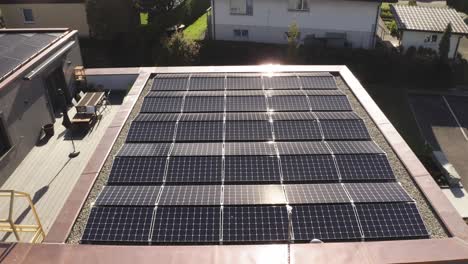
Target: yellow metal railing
point(8, 224)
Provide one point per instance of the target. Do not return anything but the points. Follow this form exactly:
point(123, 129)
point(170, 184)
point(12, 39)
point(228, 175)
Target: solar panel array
point(250, 158)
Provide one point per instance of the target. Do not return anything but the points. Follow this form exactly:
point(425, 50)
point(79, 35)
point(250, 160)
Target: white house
point(424, 26)
point(45, 14)
point(352, 23)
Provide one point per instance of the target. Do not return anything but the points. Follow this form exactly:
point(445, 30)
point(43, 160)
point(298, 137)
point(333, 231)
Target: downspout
point(213, 24)
point(374, 39)
point(456, 48)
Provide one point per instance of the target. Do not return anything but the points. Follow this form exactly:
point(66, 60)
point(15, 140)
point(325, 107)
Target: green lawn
point(197, 30)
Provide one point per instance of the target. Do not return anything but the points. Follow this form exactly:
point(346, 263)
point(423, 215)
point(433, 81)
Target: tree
point(293, 42)
point(178, 50)
point(444, 45)
point(412, 3)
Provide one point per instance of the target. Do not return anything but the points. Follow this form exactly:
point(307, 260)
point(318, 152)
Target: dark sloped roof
point(17, 48)
point(419, 18)
point(41, 1)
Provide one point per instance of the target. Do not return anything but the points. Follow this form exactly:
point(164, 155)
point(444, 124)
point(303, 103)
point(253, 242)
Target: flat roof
point(430, 19)
point(441, 249)
point(17, 47)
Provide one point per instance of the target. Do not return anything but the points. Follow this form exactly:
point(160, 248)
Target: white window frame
point(243, 33)
point(248, 9)
point(25, 21)
point(304, 6)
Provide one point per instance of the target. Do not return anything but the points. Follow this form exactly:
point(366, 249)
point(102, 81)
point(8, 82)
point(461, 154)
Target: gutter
point(374, 39)
point(213, 20)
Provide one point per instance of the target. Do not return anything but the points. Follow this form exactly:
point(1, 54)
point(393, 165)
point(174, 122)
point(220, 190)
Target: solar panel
point(336, 115)
point(317, 82)
point(288, 116)
point(302, 148)
point(194, 170)
point(186, 225)
point(354, 147)
point(288, 103)
point(249, 149)
point(166, 94)
point(145, 149)
point(156, 117)
point(170, 84)
point(364, 167)
point(137, 170)
point(329, 103)
point(271, 93)
point(377, 192)
point(244, 83)
point(128, 196)
point(191, 195)
point(281, 82)
point(245, 93)
point(391, 220)
point(297, 130)
point(118, 225)
point(206, 83)
point(310, 168)
point(245, 104)
point(197, 149)
point(326, 222)
point(151, 132)
point(162, 105)
point(248, 130)
point(201, 117)
point(204, 104)
point(200, 131)
point(315, 193)
point(344, 130)
point(251, 169)
point(255, 224)
point(259, 116)
point(253, 194)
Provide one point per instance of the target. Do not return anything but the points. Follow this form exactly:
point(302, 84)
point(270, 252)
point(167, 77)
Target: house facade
point(423, 27)
point(353, 22)
point(34, 64)
point(46, 14)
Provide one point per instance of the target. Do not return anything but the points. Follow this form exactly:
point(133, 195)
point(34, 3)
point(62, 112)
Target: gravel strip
point(430, 218)
point(80, 223)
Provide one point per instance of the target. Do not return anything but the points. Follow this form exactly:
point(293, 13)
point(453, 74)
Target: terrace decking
point(49, 175)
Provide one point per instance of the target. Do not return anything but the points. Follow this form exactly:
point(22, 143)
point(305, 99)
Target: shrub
point(293, 42)
point(412, 3)
point(393, 28)
point(444, 45)
point(178, 50)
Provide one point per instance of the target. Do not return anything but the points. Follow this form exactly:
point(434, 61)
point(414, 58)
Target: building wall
point(416, 39)
point(271, 19)
point(53, 15)
point(25, 108)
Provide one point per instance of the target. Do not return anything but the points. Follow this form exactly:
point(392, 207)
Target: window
point(4, 142)
point(430, 39)
point(28, 15)
point(301, 5)
point(241, 33)
point(241, 7)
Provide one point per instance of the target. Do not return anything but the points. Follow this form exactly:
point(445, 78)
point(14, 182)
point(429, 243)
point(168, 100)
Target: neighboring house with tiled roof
point(335, 23)
point(46, 14)
point(424, 26)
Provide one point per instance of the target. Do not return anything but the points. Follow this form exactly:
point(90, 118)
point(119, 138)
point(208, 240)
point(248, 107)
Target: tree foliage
point(412, 3)
point(178, 51)
point(293, 42)
point(459, 5)
point(444, 45)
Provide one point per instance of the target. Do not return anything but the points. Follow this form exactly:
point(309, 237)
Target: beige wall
point(71, 16)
